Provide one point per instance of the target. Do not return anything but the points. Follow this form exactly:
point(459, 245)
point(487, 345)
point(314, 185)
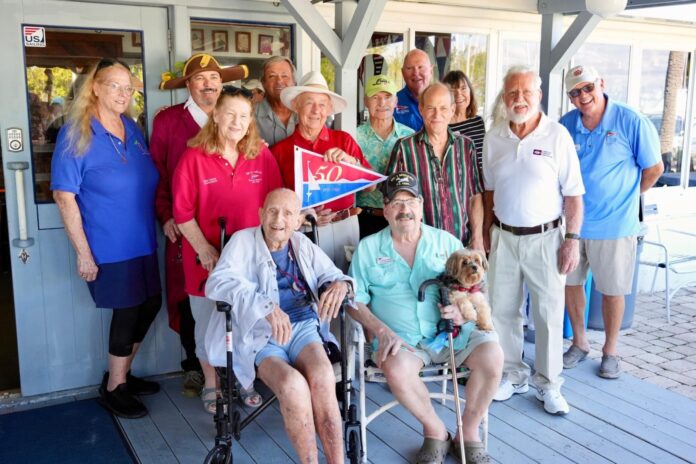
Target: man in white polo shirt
point(532, 179)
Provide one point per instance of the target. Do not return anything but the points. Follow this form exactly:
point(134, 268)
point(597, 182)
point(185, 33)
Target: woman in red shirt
point(226, 172)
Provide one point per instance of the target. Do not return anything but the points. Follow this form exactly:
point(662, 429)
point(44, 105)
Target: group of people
point(517, 193)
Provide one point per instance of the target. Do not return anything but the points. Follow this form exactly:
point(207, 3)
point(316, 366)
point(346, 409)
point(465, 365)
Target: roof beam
point(576, 6)
point(314, 25)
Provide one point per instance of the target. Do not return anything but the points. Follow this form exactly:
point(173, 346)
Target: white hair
point(522, 69)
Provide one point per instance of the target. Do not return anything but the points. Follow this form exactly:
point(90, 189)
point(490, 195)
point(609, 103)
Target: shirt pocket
point(386, 276)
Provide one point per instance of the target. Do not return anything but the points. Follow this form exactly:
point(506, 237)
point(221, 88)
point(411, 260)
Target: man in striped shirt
point(444, 163)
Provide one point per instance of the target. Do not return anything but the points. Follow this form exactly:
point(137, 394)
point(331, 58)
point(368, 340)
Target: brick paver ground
point(660, 353)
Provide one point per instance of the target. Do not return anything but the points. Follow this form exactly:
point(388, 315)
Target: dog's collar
point(472, 289)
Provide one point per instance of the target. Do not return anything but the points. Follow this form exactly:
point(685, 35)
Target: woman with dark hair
point(104, 182)
point(225, 173)
point(465, 121)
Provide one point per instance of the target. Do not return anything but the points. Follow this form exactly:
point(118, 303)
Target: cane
point(448, 327)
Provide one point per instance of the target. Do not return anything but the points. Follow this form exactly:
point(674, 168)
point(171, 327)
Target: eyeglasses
point(233, 91)
point(410, 203)
point(117, 89)
point(589, 88)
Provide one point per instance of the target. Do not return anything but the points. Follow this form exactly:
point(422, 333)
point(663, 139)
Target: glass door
point(61, 337)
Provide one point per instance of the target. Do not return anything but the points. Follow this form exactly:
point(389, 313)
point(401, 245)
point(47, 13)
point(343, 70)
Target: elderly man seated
point(280, 286)
point(388, 267)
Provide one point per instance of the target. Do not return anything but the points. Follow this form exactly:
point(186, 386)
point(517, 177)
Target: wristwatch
point(571, 236)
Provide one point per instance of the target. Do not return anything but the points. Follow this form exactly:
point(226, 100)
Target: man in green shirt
point(376, 139)
point(388, 268)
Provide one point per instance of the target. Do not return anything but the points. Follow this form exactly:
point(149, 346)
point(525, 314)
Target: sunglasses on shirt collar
point(233, 91)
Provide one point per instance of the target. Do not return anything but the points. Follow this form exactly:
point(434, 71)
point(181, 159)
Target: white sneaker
point(554, 403)
point(507, 389)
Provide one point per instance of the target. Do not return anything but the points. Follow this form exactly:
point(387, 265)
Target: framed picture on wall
point(265, 44)
point(197, 40)
point(242, 42)
point(220, 43)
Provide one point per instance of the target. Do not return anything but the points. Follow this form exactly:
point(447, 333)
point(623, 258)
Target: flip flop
point(209, 398)
point(250, 397)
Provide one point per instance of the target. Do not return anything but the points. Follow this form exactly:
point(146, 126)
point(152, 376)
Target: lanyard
point(297, 280)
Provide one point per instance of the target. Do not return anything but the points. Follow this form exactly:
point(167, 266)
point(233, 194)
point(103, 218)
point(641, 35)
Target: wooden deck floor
point(622, 421)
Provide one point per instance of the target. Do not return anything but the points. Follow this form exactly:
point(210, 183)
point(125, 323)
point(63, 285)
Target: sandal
point(250, 397)
point(474, 452)
point(209, 397)
point(433, 451)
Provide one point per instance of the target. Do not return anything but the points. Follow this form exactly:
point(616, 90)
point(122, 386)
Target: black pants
point(130, 325)
point(187, 327)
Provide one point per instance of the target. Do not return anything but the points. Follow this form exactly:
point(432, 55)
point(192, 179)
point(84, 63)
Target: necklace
point(124, 160)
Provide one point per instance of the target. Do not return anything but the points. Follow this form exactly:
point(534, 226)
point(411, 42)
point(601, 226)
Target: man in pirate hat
point(203, 76)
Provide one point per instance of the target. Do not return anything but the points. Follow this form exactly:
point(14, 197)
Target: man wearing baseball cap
point(619, 152)
point(376, 139)
point(171, 129)
point(387, 268)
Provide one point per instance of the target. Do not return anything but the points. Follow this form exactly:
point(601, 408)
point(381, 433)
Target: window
point(518, 52)
point(241, 43)
point(464, 52)
point(611, 61)
point(54, 75)
point(666, 106)
point(384, 55)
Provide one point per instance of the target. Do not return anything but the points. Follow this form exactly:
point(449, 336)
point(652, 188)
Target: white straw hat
point(312, 82)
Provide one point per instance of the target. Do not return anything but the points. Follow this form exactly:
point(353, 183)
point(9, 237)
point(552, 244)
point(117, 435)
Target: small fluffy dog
point(464, 272)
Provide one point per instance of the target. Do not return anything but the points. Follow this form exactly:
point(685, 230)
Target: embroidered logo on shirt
point(540, 152)
point(212, 180)
point(255, 177)
point(401, 109)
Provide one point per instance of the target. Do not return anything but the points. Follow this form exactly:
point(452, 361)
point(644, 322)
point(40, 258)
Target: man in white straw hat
point(314, 102)
point(619, 153)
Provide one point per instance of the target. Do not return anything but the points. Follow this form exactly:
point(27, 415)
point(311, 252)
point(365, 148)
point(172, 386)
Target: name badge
point(384, 260)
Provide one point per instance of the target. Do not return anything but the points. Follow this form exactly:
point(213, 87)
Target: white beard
point(521, 118)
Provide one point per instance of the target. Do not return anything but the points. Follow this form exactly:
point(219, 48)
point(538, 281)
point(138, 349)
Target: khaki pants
point(531, 259)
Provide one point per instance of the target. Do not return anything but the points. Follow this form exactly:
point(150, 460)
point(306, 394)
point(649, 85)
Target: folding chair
point(679, 264)
point(432, 373)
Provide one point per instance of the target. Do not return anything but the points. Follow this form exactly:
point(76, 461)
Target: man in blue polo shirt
point(619, 152)
point(417, 72)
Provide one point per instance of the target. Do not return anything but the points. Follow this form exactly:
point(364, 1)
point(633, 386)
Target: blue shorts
point(125, 284)
point(303, 333)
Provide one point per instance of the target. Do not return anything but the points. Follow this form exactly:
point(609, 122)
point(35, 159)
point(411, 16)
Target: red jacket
point(172, 128)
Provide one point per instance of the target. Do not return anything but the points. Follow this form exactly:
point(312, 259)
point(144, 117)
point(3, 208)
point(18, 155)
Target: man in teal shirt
point(376, 140)
point(388, 268)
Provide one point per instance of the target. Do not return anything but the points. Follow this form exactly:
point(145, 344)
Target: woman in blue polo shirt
point(104, 182)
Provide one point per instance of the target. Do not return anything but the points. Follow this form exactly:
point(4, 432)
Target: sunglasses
point(585, 88)
point(108, 62)
point(233, 91)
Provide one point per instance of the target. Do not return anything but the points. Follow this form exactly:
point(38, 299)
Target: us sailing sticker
point(34, 36)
